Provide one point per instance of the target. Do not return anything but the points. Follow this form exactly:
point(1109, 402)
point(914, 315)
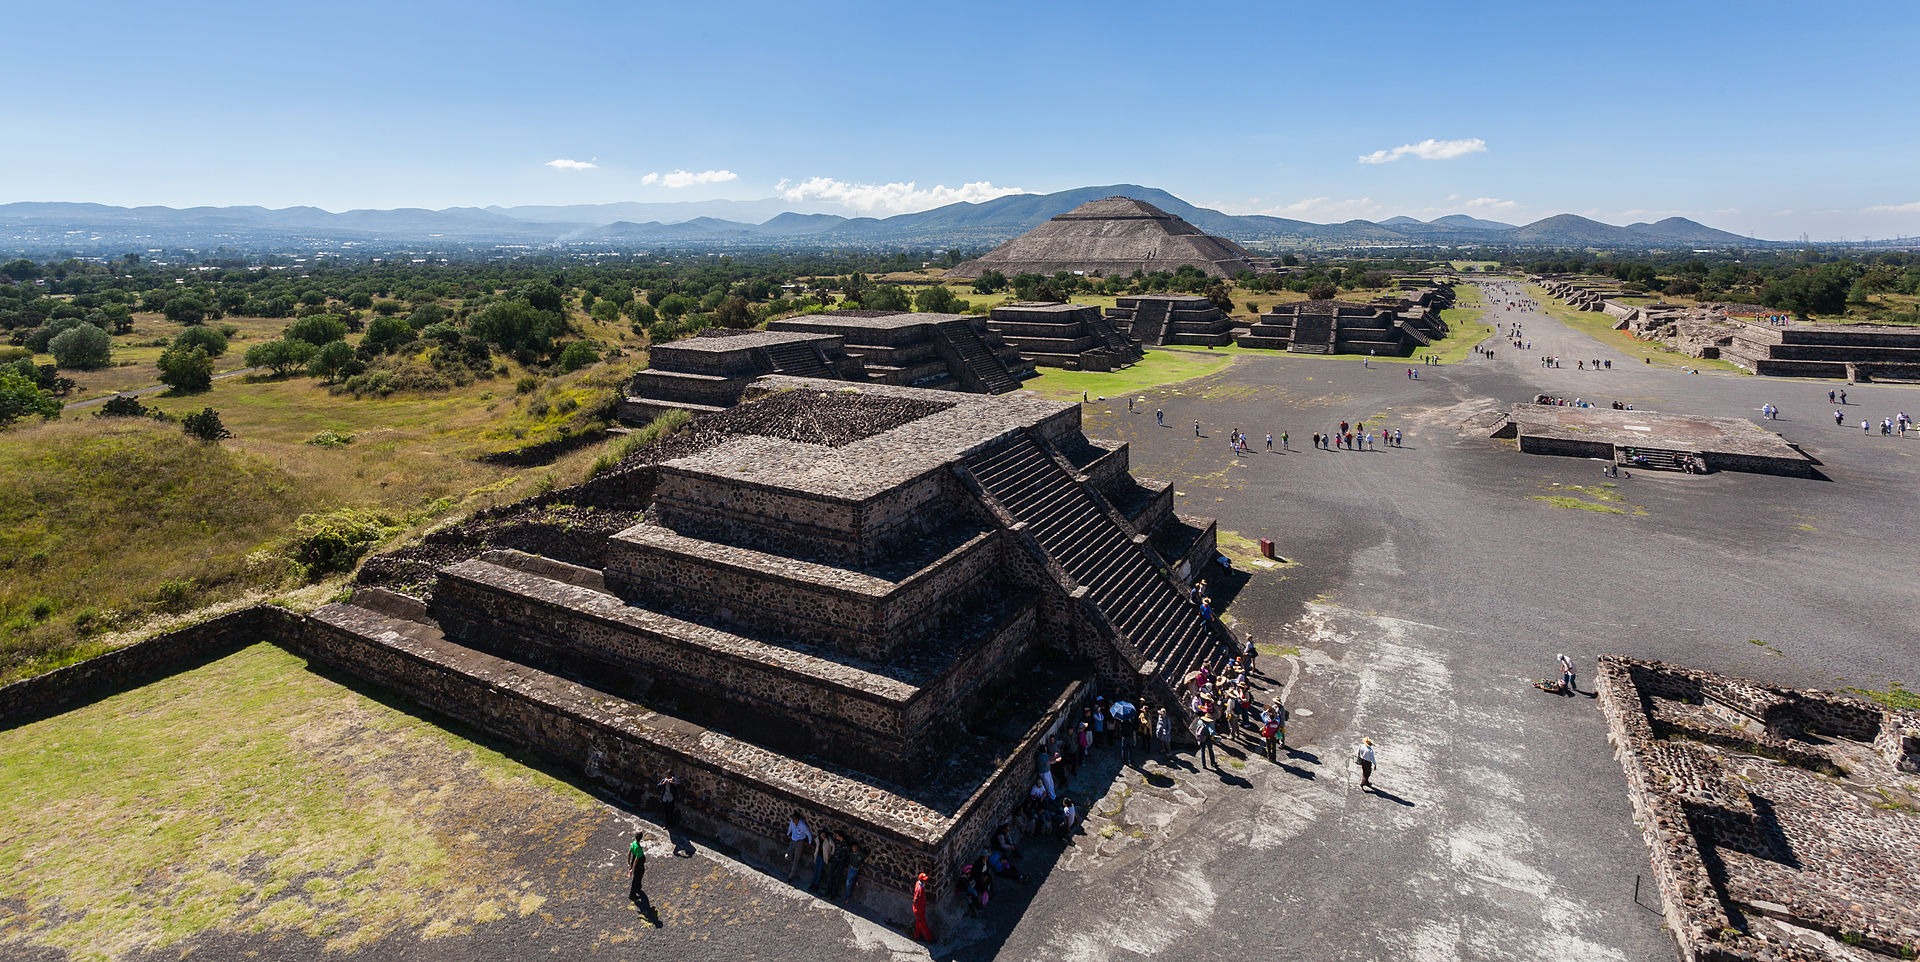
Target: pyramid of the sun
point(1113, 235)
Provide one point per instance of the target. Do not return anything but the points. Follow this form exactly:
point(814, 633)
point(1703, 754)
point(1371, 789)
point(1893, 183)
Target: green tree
point(186, 310)
point(282, 357)
point(517, 326)
point(386, 335)
point(85, 348)
point(317, 330)
point(733, 312)
point(331, 359)
point(991, 282)
point(578, 354)
point(187, 370)
point(213, 341)
point(938, 299)
point(20, 397)
point(122, 406)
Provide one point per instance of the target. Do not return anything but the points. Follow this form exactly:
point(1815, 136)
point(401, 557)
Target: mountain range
point(95, 228)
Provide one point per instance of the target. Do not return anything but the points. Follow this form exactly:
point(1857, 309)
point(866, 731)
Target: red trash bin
point(1266, 547)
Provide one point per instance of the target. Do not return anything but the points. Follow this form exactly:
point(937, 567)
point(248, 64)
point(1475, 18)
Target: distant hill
point(97, 228)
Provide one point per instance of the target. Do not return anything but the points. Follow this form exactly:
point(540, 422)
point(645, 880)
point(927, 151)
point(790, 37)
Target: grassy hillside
point(106, 523)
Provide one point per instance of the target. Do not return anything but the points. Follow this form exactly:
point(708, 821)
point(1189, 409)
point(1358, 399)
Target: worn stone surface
point(1765, 802)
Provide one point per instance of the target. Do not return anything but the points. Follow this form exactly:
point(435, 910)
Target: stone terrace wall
point(43, 696)
point(726, 786)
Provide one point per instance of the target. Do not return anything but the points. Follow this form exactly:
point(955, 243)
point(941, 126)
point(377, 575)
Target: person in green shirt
point(637, 861)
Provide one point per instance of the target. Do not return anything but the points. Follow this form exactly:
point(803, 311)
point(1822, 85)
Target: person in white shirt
point(1566, 674)
point(798, 835)
point(1366, 759)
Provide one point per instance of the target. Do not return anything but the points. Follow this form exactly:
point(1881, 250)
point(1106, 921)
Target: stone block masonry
point(1773, 816)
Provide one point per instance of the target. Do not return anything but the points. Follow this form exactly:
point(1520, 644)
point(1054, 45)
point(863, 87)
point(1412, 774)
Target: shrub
point(331, 361)
point(330, 439)
point(579, 354)
point(122, 406)
point(85, 348)
point(206, 426)
point(334, 541)
point(211, 340)
point(20, 397)
point(385, 335)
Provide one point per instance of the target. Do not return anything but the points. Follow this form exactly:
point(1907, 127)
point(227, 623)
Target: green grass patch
point(1157, 368)
point(1603, 499)
point(1895, 696)
point(256, 798)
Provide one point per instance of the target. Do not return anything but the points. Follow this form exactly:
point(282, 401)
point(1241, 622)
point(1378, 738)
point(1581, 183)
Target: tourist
point(822, 854)
point(798, 835)
point(1196, 429)
point(836, 866)
point(1100, 720)
point(1283, 440)
point(1566, 674)
point(1129, 404)
point(1249, 652)
point(922, 932)
point(1843, 399)
point(1069, 816)
point(1316, 439)
point(637, 864)
point(1123, 729)
point(666, 785)
point(1269, 442)
point(1830, 397)
point(1050, 767)
point(1160, 417)
point(856, 857)
point(1839, 418)
point(1864, 429)
point(1269, 735)
point(1203, 738)
point(1163, 732)
point(1365, 757)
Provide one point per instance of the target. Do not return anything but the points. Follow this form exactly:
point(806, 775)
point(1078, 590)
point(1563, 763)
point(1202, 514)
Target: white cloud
point(1913, 208)
point(677, 179)
point(1326, 209)
point(892, 198)
point(565, 164)
point(1428, 149)
point(1490, 203)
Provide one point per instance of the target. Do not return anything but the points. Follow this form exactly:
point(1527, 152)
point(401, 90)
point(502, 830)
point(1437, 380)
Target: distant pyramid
point(1112, 235)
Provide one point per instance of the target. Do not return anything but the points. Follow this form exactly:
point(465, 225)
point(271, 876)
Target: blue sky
point(1768, 118)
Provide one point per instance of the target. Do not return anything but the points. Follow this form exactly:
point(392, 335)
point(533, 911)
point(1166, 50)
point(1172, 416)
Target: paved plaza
point(1426, 587)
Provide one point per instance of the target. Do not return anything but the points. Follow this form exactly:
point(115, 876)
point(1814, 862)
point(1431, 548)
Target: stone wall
point(804, 524)
point(727, 787)
point(846, 610)
point(61, 689)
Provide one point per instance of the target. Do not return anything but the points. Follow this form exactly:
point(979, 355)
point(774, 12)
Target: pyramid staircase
point(1086, 538)
point(800, 359)
point(1150, 322)
point(1109, 337)
point(979, 364)
point(1312, 334)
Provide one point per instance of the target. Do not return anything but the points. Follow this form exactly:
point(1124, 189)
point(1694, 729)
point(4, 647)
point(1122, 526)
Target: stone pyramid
point(1112, 235)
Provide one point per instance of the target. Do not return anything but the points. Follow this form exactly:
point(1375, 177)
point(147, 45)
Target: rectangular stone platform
point(1720, 444)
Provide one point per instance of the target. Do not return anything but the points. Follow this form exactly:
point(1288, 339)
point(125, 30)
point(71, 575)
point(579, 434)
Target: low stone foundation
point(1779, 820)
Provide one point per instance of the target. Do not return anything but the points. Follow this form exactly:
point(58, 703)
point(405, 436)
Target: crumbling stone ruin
point(1162, 319)
point(1114, 237)
point(868, 603)
point(1782, 823)
point(1071, 336)
point(1394, 327)
point(708, 373)
point(948, 351)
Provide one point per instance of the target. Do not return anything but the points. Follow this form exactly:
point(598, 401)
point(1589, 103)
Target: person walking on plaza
point(1196, 429)
point(1365, 758)
point(637, 864)
point(798, 835)
point(1566, 674)
point(1160, 417)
